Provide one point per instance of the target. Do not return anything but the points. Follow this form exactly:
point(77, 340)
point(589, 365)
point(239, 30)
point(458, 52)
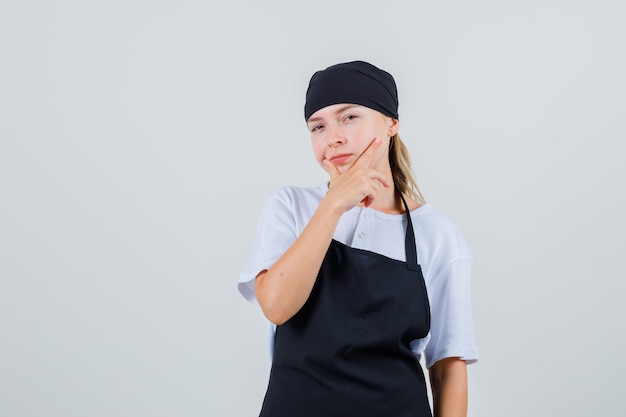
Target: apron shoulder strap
point(409, 240)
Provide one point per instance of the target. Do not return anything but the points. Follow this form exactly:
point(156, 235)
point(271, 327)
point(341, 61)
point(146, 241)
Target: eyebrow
point(339, 110)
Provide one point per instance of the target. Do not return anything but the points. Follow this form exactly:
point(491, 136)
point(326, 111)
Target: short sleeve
point(451, 328)
point(275, 233)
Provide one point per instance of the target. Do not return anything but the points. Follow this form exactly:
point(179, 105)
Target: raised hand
point(359, 184)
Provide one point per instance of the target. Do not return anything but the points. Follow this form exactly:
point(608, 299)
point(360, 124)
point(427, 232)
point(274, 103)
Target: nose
point(335, 136)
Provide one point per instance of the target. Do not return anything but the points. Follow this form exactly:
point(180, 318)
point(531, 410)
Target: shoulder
point(427, 216)
point(293, 205)
point(440, 231)
point(299, 197)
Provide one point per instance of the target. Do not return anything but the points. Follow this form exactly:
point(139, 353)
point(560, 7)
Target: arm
point(448, 380)
point(284, 288)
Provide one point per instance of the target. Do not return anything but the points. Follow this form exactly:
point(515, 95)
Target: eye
point(350, 117)
point(315, 128)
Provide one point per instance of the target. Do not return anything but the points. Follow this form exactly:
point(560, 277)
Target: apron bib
point(346, 352)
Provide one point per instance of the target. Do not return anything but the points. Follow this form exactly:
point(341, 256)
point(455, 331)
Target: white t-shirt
point(441, 252)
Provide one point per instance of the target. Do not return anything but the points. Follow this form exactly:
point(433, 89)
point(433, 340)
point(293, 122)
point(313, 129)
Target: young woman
point(359, 275)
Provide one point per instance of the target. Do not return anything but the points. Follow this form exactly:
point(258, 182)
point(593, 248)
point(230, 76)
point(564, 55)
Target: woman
point(360, 276)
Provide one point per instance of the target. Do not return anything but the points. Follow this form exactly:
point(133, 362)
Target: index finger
point(363, 161)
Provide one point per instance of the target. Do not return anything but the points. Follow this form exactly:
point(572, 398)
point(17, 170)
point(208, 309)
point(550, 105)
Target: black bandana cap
point(355, 82)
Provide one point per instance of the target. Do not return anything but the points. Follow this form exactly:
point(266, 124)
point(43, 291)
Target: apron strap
point(409, 241)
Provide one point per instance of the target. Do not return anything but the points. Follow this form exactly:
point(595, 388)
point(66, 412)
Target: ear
point(394, 126)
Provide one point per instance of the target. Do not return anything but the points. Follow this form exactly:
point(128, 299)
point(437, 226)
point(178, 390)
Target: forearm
point(448, 379)
point(284, 288)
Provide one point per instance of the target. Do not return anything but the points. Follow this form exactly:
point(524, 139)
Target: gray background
point(138, 140)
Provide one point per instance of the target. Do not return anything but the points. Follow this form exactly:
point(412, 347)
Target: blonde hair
point(400, 163)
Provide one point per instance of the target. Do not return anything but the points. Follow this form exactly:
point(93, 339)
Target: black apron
point(346, 352)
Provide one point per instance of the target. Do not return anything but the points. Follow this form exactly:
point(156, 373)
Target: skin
point(448, 381)
point(351, 143)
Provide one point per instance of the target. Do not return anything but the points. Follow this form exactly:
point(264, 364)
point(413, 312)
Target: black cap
point(355, 82)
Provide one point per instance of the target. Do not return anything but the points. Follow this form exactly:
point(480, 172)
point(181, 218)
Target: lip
point(340, 158)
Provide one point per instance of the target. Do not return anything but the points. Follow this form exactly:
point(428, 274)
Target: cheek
point(318, 151)
point(367, 132)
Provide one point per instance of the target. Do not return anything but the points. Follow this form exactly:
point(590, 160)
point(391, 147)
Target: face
point(341, 132)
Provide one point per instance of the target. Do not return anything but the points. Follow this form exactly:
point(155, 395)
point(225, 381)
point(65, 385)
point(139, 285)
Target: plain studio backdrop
point(139, 140)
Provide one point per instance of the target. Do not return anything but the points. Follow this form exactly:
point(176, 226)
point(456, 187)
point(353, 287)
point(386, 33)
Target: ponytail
point(401, 171)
